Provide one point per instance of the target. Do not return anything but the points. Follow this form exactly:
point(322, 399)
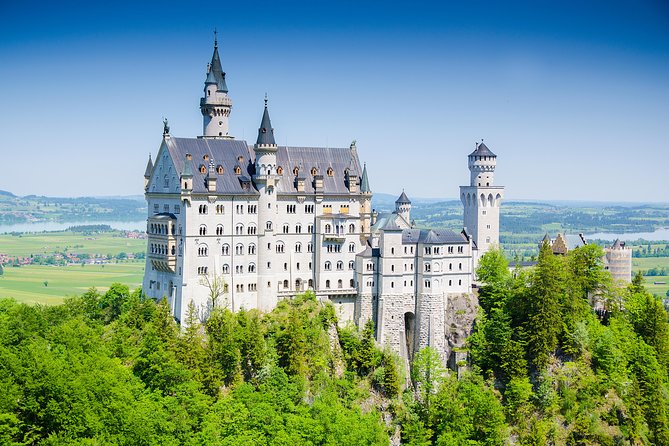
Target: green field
point(51, 242)
point(653, 262)
point(26, 284)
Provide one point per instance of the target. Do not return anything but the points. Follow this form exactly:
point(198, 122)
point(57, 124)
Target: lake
point(139, 225)
point(660, 234)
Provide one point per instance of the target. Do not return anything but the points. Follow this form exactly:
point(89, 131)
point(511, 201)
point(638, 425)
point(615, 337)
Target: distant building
point(617, 258)
point(618, 261)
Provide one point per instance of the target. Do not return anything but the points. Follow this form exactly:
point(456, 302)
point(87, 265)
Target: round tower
point(216, 104)
point(481, 199)
point(482, 163)
point(403, 207)
point(266, 179)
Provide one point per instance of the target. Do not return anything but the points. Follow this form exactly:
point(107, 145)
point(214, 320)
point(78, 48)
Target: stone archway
point(409, 333)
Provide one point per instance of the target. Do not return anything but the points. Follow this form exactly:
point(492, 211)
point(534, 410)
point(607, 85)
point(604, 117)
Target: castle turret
point(403, 207)
point(366, 207)
point(147, 172)
point(216, 104)
point(266, 179)
point(481, 199)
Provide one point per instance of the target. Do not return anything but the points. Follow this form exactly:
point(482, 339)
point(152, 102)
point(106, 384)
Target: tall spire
point(149, 168)
point(266, 132)
point(364, 183)
point(216, 68)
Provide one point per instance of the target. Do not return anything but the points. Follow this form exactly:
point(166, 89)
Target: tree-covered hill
point(546, 369)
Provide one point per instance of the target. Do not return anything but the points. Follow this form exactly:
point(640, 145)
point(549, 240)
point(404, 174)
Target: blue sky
point(572, 96)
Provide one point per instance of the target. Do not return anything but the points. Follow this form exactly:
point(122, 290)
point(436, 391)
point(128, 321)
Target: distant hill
point(8, 194)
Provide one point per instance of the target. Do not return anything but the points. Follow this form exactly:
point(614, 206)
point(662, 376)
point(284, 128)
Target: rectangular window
point(166, 208)
point(177, 209)
point(156, 208)
point(327, 209)
point(343, 209)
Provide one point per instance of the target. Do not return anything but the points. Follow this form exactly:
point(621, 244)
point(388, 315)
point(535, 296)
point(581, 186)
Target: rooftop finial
point(265, 99)
point(215, 38)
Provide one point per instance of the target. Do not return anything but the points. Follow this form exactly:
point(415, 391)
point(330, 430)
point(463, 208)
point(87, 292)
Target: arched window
point(340, 265)
point(328, 228)
point(327, 284)
point(351, 228)
point(226, 269)
point(239, 229)
point(352, 283)
point(285, 284)
point(279, 171)
point(311, 283)
point(203, 230)
point(351, 247)
point(340, 283)
point(238, 170)
point(328, 266)
point(351, 265)
point(279, 247)
point(296, 171)
point(298, 228)
point(330, 171)
point(252, 249)
point(310, 247)
point(203, 169)
point(285, 228)
point(252, 267)
point(239, 249)
point(202, 209)
point(268, 225)
point(314, 171)
point(225, 250)
point(202, 250)
point(251, 230)
point(219, 169)
point(298, 247)
point(219, 230)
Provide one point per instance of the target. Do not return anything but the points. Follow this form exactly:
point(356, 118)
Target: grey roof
point(391, 225)
point(403, 199)
point(218, 70)
point(164, 216)
point(482, 150)
point(187, 171)
point(432, 237)
point(266, 132)
point(149, 168)
point(226, 153)
point(364, 183)
point(338, 159)
point(574, 241)
point(618, 244)
point(211, 78)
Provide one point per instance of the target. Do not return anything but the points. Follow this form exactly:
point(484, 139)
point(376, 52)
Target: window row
point(340, 265)
point(157, 248)
point(166, 208)
point(339, 229)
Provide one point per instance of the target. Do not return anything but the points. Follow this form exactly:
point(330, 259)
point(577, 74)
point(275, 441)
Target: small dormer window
point(240, 159)
point(189, 156)
point(219, 169)
point(314, 171)
point(238, 170)
point(279, 170)
point(296, 171)
point(206, 157)
point(330, 171)
point(203, 169)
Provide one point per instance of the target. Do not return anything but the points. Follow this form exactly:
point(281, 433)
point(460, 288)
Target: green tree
point(427, 373)
point(543, 321)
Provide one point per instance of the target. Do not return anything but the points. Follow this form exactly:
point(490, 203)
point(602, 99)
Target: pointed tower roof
point(364, 182)
point(482, 150)
point(187, 172)
point(217, 70)
point(149, 168)
point(211, 78)
point(266, 132)
point(403, 199)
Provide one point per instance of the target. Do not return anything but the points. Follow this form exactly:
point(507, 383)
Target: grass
point(50, 242)
point(26, 284)
point(647, 263)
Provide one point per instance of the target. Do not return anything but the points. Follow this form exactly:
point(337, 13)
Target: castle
point(242, 226)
